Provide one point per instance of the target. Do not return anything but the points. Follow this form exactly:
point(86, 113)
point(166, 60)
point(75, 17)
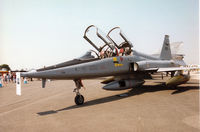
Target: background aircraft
point(114, 56)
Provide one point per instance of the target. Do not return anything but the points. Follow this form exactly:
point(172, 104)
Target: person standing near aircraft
point(5, 78)
point(14, 77)
point(1, 85)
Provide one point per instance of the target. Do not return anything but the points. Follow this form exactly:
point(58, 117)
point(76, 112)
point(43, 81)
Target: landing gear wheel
point(79, 99)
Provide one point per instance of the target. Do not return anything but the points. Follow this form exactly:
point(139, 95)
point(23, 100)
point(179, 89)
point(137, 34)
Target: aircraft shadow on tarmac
point(132, 92)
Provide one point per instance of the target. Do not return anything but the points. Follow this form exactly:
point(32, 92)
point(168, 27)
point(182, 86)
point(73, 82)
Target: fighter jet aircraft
point(128, 68)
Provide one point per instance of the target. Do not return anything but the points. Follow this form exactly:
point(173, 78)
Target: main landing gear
point(79, 99)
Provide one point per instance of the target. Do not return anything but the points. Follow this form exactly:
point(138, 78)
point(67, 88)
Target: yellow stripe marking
point(114, 58)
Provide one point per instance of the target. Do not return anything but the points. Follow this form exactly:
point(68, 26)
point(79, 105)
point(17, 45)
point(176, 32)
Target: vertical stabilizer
point(166, 51)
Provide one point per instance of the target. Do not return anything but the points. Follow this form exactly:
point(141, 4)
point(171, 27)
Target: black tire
point(79, 99)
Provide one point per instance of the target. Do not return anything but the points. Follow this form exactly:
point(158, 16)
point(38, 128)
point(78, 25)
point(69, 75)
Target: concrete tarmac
point(151, 108)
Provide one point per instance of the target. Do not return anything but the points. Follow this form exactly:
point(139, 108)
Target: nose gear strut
point(79, 99)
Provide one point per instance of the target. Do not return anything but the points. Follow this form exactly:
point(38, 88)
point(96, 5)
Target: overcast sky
point(37, 33)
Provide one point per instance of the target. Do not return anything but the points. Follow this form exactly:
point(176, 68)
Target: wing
point(168, 69)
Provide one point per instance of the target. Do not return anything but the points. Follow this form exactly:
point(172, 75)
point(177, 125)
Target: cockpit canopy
point(108, 45)
point(118, 38)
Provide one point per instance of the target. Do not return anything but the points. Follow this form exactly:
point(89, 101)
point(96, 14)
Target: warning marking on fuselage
point(116, 62)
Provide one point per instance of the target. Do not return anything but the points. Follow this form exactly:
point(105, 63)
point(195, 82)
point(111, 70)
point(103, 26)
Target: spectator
point(14, 78)
point(8, 77)
point(5, 78)
point(1, 81)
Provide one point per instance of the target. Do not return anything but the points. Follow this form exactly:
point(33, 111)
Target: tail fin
point(166, 51)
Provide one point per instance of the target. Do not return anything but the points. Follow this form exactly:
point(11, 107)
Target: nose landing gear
point(79, 99)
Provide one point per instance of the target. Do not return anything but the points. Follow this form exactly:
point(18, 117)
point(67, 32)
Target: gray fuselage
point(100, 68)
